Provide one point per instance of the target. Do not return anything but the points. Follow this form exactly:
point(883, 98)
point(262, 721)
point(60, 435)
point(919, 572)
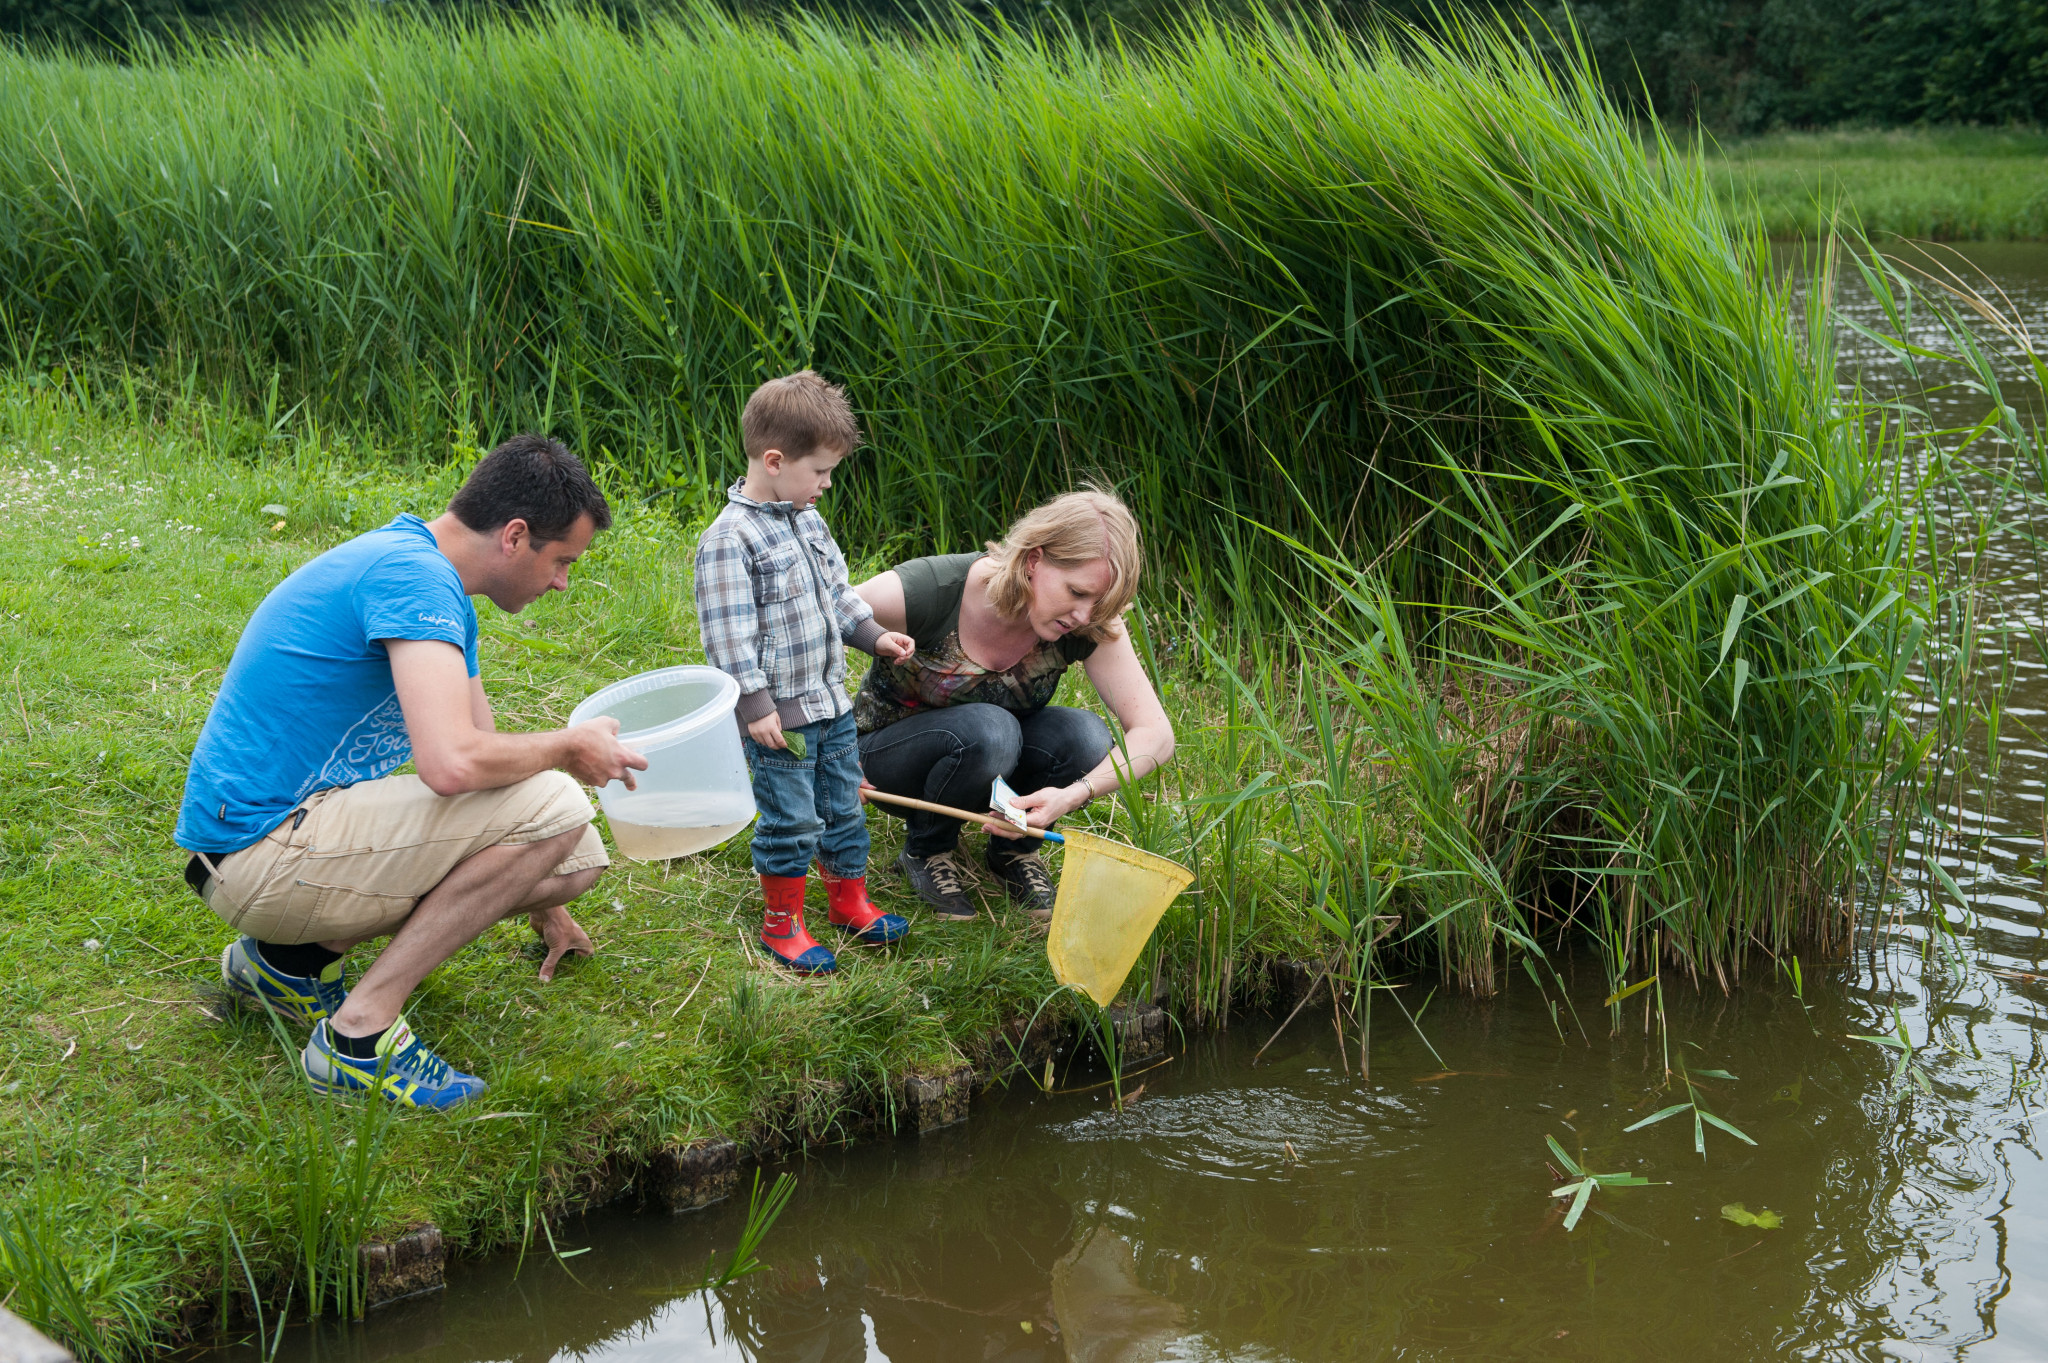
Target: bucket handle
point(1045, 834)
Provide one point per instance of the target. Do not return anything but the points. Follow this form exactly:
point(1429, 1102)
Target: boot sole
point(859, 938)
point(772, 954)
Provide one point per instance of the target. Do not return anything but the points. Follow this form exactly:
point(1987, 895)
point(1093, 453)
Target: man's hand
point(596, 756)
point(767, 731)
point(562, 934)
point(895, 646)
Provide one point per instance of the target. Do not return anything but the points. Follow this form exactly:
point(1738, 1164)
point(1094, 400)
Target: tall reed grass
point(1408, 342)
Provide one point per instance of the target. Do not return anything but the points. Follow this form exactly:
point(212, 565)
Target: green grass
point(1960, 184)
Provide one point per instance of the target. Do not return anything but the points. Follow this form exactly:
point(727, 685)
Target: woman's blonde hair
point(1070, 530)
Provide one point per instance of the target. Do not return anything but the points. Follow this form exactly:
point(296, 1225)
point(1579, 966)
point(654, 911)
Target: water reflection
point(1296, 1211)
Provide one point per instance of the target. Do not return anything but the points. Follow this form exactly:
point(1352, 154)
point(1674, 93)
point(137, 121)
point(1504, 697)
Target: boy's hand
point(767, 731)
point(895, 646)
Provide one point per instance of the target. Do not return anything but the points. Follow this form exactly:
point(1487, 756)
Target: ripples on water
point(1292, 1212)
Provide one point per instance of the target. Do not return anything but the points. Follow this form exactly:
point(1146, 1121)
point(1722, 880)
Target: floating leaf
point(1581, 1191)
point(1710, 1117)
point(1766, 1219)
point(1656, 1117)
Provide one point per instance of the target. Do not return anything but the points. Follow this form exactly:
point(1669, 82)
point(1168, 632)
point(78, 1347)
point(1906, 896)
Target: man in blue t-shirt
point(301, 837)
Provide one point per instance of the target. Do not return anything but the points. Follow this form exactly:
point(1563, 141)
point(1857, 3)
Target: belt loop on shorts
point(201, 874)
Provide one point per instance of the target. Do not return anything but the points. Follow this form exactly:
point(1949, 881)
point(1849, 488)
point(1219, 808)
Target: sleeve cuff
point(755, 705)
point(864, 635)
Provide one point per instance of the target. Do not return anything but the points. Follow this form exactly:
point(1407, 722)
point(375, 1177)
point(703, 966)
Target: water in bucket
point(695, 793)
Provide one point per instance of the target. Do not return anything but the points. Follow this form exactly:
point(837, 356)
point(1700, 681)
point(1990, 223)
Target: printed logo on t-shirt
point(429, 618)
point(374, 745)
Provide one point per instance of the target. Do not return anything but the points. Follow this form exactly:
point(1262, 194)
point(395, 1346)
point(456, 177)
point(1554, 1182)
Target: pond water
point(1295, 1210)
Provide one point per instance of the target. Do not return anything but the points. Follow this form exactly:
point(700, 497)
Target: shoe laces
point(1030, 868)
point(946, 873)
point(417, 1062)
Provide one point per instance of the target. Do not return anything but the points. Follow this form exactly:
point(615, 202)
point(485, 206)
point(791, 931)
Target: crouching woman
point(995, 634)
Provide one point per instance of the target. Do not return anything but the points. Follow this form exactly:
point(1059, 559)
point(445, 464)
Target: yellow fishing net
point(1110, 899)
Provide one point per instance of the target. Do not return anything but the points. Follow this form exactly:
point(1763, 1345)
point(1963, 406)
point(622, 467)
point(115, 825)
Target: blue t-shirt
point(308, 701)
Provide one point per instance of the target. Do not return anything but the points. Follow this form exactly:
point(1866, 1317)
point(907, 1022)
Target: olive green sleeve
point(932, 588)
point(919, 592)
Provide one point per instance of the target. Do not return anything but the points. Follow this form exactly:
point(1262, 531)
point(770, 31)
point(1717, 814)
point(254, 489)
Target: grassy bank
point(1959, 184)
point(155, 1143)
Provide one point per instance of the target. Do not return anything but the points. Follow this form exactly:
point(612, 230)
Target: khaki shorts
point(362, 856)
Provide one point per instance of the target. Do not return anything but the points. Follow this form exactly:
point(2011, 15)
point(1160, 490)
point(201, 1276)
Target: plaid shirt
point(775, 609)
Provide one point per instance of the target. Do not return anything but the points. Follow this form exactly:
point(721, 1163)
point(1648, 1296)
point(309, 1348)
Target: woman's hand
point(1042, 808)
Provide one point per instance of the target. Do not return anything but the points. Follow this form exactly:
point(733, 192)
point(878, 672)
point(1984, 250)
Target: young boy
point(775, 608)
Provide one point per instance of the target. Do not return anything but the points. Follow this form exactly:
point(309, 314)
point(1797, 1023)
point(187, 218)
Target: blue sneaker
point(294, 998)
point(405, 1071)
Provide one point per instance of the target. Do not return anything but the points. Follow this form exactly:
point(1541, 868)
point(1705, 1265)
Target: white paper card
point(1003, 801)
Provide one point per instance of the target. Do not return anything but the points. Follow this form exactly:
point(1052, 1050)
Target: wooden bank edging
point(21, 1342)
point(687, 1178)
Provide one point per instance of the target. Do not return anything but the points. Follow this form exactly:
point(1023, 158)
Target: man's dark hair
point(533, 479)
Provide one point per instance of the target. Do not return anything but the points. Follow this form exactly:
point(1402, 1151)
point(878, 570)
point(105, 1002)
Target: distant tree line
point(1743, 66)
point(1736, 66)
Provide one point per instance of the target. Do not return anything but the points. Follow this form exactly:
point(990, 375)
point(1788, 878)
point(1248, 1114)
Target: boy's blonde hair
point(1070, 530)
point(798, 414)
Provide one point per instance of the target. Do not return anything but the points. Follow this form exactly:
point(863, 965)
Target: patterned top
point(775, 610)
point(940, 673)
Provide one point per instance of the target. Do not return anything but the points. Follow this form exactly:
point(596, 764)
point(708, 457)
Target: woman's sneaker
point(940, 881)
point(1024, 876)
point(404, 1070)
point(294, 998)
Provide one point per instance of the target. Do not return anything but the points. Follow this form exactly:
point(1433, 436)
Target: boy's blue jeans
point(810, 806)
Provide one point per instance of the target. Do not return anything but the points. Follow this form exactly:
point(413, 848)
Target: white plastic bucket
point(695, 792)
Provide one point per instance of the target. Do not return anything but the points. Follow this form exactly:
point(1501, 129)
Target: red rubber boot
point(859, 917)
point(783, 934)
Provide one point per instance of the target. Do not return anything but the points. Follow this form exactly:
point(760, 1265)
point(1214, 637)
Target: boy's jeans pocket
point(810, 806)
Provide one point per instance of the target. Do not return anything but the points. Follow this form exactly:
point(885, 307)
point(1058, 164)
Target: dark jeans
point(810, 806)
point(952, 756)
